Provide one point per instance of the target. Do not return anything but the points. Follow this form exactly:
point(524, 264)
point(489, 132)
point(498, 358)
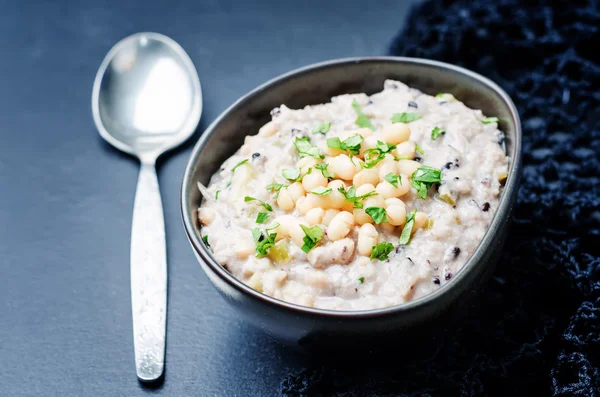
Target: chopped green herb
point(423, 178)
point(262, 217)
point(436, 133)
point(305, 148)
point(421, 188)
point(205, 239)
point(402, 158)
point(293, 174)
point(381, 251)
point(440, 95)
point(407, 229)
point(362, 120)
point(228, 184)
point(217, 194)
point(393, 179)
point(321, 128)
point(312, 237)
point(361, 279)
point(351, 144)
point(323, 168)
point(352, 198)
point(263, 241)
point(418, 149)
point(238, 164)
point(265, 205)
point(321, 191)
point(275, 187)
point(375, 155)
point(378, 214)
point(489, 120)
point(405, 117)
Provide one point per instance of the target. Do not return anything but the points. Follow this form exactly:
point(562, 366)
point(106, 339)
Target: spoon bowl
point(146, 100)
point(146, 97)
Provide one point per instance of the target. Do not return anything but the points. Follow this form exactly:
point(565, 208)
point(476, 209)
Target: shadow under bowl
point(310, 327)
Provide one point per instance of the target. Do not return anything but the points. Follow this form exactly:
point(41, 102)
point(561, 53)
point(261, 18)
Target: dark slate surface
point(66, 197)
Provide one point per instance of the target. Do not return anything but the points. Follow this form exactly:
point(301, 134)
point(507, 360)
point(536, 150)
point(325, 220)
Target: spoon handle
point(148, 277)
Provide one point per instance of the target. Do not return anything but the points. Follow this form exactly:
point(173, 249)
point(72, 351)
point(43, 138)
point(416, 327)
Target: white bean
point(368, 175)
point(420, 219)
point(244, 247)
point(405, 149)
point(305, 163)
point(396, 215)
point(368, 143)
point(206, 215)
point(285, 201)
point(331, 152)
point(364, 189)
point(336, 198)
point(367, 238)
point(295, 190)
point(342, 167)
point(387, 190)
point(340, 225)
point(314, 216)
point(313, 180)
point(374, 201)
point(394, 201)
point(396, 133)
point(328, 216)
point(361, 217)
point(407, 167)
point(388, 167)
point(297, 234)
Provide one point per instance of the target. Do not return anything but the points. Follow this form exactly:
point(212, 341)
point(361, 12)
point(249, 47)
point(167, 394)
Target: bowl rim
point(486, 242)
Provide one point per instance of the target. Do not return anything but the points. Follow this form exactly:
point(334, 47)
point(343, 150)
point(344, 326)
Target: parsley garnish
point(321, 191)
point(351, 144)
point(440, 95)
point(352, 198)
point(238, 164)
point(262, 217)
point(275, 186)
point(381, 251)
point(293, 174)
point(418, 149)
point(405, 117)
point(393, 179)
point(407, 229)
point(361, 279)
point(378, 214)
point(375, 155)
point(423, 178)
point(361, 120)
point(305, 148)
point(312, 237)
point(323, 168)
point(263, 241)
point(321, 128)
point(489, 120)
point(205, 239)
point(265, 205)
point(217, 194)
point(436, 133)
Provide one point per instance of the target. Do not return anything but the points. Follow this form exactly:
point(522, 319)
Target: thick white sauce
point(334, 275)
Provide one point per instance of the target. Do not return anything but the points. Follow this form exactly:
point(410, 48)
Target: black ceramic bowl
point(314, 84)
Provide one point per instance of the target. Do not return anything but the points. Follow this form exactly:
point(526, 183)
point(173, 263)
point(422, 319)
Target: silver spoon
point(147, 100)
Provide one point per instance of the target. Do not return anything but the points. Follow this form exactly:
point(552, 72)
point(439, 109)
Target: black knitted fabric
point(537, 332)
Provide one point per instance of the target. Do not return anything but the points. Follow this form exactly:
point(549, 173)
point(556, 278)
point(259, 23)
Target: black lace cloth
point(538, 330)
